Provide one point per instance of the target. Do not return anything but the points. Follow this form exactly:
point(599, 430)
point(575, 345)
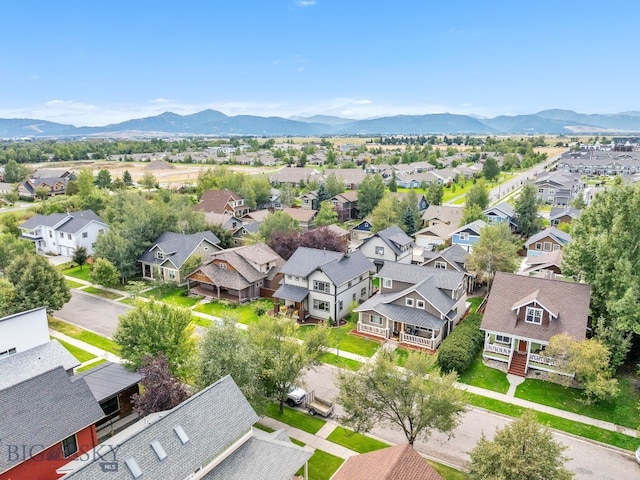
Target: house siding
point(43, 465)
point(532, 251)
point(12, 331)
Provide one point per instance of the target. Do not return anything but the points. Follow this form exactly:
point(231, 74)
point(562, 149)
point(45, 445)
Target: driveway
point(588, 460)
point(93, 313)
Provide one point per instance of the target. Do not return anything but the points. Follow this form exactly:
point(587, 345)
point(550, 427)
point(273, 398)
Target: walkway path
point(98, 352)
point(508, 397)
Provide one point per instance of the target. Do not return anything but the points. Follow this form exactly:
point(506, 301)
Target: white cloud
point(305, 3)
point(161, 100)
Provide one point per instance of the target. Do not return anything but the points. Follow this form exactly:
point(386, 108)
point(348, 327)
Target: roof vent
point(182, 435)
point(159, 449)
point(134, 468)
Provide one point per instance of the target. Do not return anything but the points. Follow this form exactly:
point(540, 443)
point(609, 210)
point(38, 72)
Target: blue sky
point(93, 63)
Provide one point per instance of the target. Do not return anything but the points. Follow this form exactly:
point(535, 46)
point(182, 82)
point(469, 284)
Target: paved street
point(589, 461)
point(92, 312)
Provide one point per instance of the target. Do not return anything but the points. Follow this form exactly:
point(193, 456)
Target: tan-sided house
point(523, 313)
point(418, 306)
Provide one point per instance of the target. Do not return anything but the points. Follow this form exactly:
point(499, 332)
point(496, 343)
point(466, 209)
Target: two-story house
point(346, 205)
point(548, 240)
point(559, 215)
point(447, 214)
point(451, 258)
point(238, 274)
point(322, 283)
point(62, 233)
point(557, 188)
point(416, 305)
point(172, 254)
point(222, 201)
point(523, 313)
point(501, 213)
point(55, 180)
point(388, 245)
point(468, 235)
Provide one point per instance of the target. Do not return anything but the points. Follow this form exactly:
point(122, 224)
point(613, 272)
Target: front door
point(522, 346)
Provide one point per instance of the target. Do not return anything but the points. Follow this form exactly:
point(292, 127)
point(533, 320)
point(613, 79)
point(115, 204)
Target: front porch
point(411, 335)
point(214, 292)
point(520, 354)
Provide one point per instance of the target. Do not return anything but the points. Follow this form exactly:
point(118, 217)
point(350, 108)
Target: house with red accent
point(222, 201)
point(46, 421)
point(523, 313)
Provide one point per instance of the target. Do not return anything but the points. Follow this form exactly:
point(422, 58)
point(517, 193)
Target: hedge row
point(458, 350)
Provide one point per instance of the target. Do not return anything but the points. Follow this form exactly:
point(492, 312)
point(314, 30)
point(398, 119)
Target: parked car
point(295, 396)
point(638, 455)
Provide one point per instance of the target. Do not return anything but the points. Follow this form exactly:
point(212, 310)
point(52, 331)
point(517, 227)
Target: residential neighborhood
point(391, 280)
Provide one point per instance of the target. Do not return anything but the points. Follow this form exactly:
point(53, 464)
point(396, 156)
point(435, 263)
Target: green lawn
point(323, 465)
point(202, 322)
point(622, 411)
point(241, 313)
point(355, 441)
point(84, 335)
point(341, 362)
point(446, 472)
point(176, 296)
point(90, 366)
point(576, 428)
point(81, 355)
point(77, 272)
point(102, 293)
point(295, 418)
point(341, 337)
point(401, 356)
point(479, 375)
point(475, 303)
point(128, 300)
point(72, 284)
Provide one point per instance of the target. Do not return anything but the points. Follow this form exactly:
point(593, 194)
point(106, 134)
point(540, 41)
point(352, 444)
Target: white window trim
point(533, 311)
point(379, 250)
point(375, 319)
point(440, 265)
point(503, 339)
point(420, 304)
point(387, 283)
point(464, 235)
point(409, 302)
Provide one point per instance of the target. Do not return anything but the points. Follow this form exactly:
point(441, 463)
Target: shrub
point(460, 348)
point(259, 309)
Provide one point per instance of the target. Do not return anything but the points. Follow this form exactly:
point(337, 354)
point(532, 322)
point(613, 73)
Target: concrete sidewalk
point(98, 352)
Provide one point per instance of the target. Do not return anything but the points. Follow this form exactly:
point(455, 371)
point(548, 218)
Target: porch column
point(276, 306)
point(218, 287)
point(487, 336)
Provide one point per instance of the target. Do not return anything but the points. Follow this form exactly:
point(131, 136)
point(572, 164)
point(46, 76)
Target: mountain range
point(214, 123)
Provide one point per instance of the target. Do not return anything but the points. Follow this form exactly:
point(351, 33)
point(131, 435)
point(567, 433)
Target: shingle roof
point(400, 462)
point(44, 410)
point(505, 208)
point(339, 267)
point(454, 255)
point(558, 235)
point(216, 200)
point(177, 247)
point(473, 227)
point(445, 213)
point(29, 363)
point(558, 212)
point(108, 379)
point(570, 299)
point(266, 456)
point(300, 214)
point(68, 222)
point(244, 273)
point(43, 220)
point(394, 237)
point(213, 419)
point(292, 293)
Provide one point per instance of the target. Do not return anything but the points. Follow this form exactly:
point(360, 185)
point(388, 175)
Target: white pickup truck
point(295, 396)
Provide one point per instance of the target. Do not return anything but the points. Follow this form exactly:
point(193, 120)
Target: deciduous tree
point(334, 185)
point(37, 283)
point(80, 256)
point(526, 207)
point(435, 193)
point(282, 356)
point(277, 221)
point(604, 253)
point(161, 390)
point(153, 327)
point(15, 172)
point(382, 394)
point(104, 273)
point(386, 214)
point(12, 248)
point(10, 222)
point(327, 215)
point(477, 195)
point(103, 180)
point(524, 450)
point(148, 180)
point(496, 251)
point(370, 192)
point(471, 213)
point(490, 169)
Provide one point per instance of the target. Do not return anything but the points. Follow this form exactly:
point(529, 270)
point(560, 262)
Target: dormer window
point(533, 315)
point(159, 255)
point(223, 266)
point(408, 302)
point(379, 250)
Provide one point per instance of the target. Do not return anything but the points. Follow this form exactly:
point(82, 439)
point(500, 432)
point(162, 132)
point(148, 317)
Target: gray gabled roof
point(44, 410)
point(29, 363)
point(504, 208)
point(43, 220)
point(338, 266)
point(266, 456)
point(410, 315)
point(473, 227)
point(556, 234)
point(71, 222)
point(416, 274)
point(108, 379)
point(292, 293)
point(394, 237)
point(558, 212)
point(213, 419)
point(177, 247)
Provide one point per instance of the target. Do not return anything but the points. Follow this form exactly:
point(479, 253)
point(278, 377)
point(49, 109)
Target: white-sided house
point(23, 331)
point(171, 253)
point(523, 313)
point(388, 245)
point(62, 233)
point(322, 283)
point(416, 305)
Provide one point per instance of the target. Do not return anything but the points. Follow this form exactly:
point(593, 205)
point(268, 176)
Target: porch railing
point(534, 357)
point(502, 350)
point(416, 340)
point(372, 330)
